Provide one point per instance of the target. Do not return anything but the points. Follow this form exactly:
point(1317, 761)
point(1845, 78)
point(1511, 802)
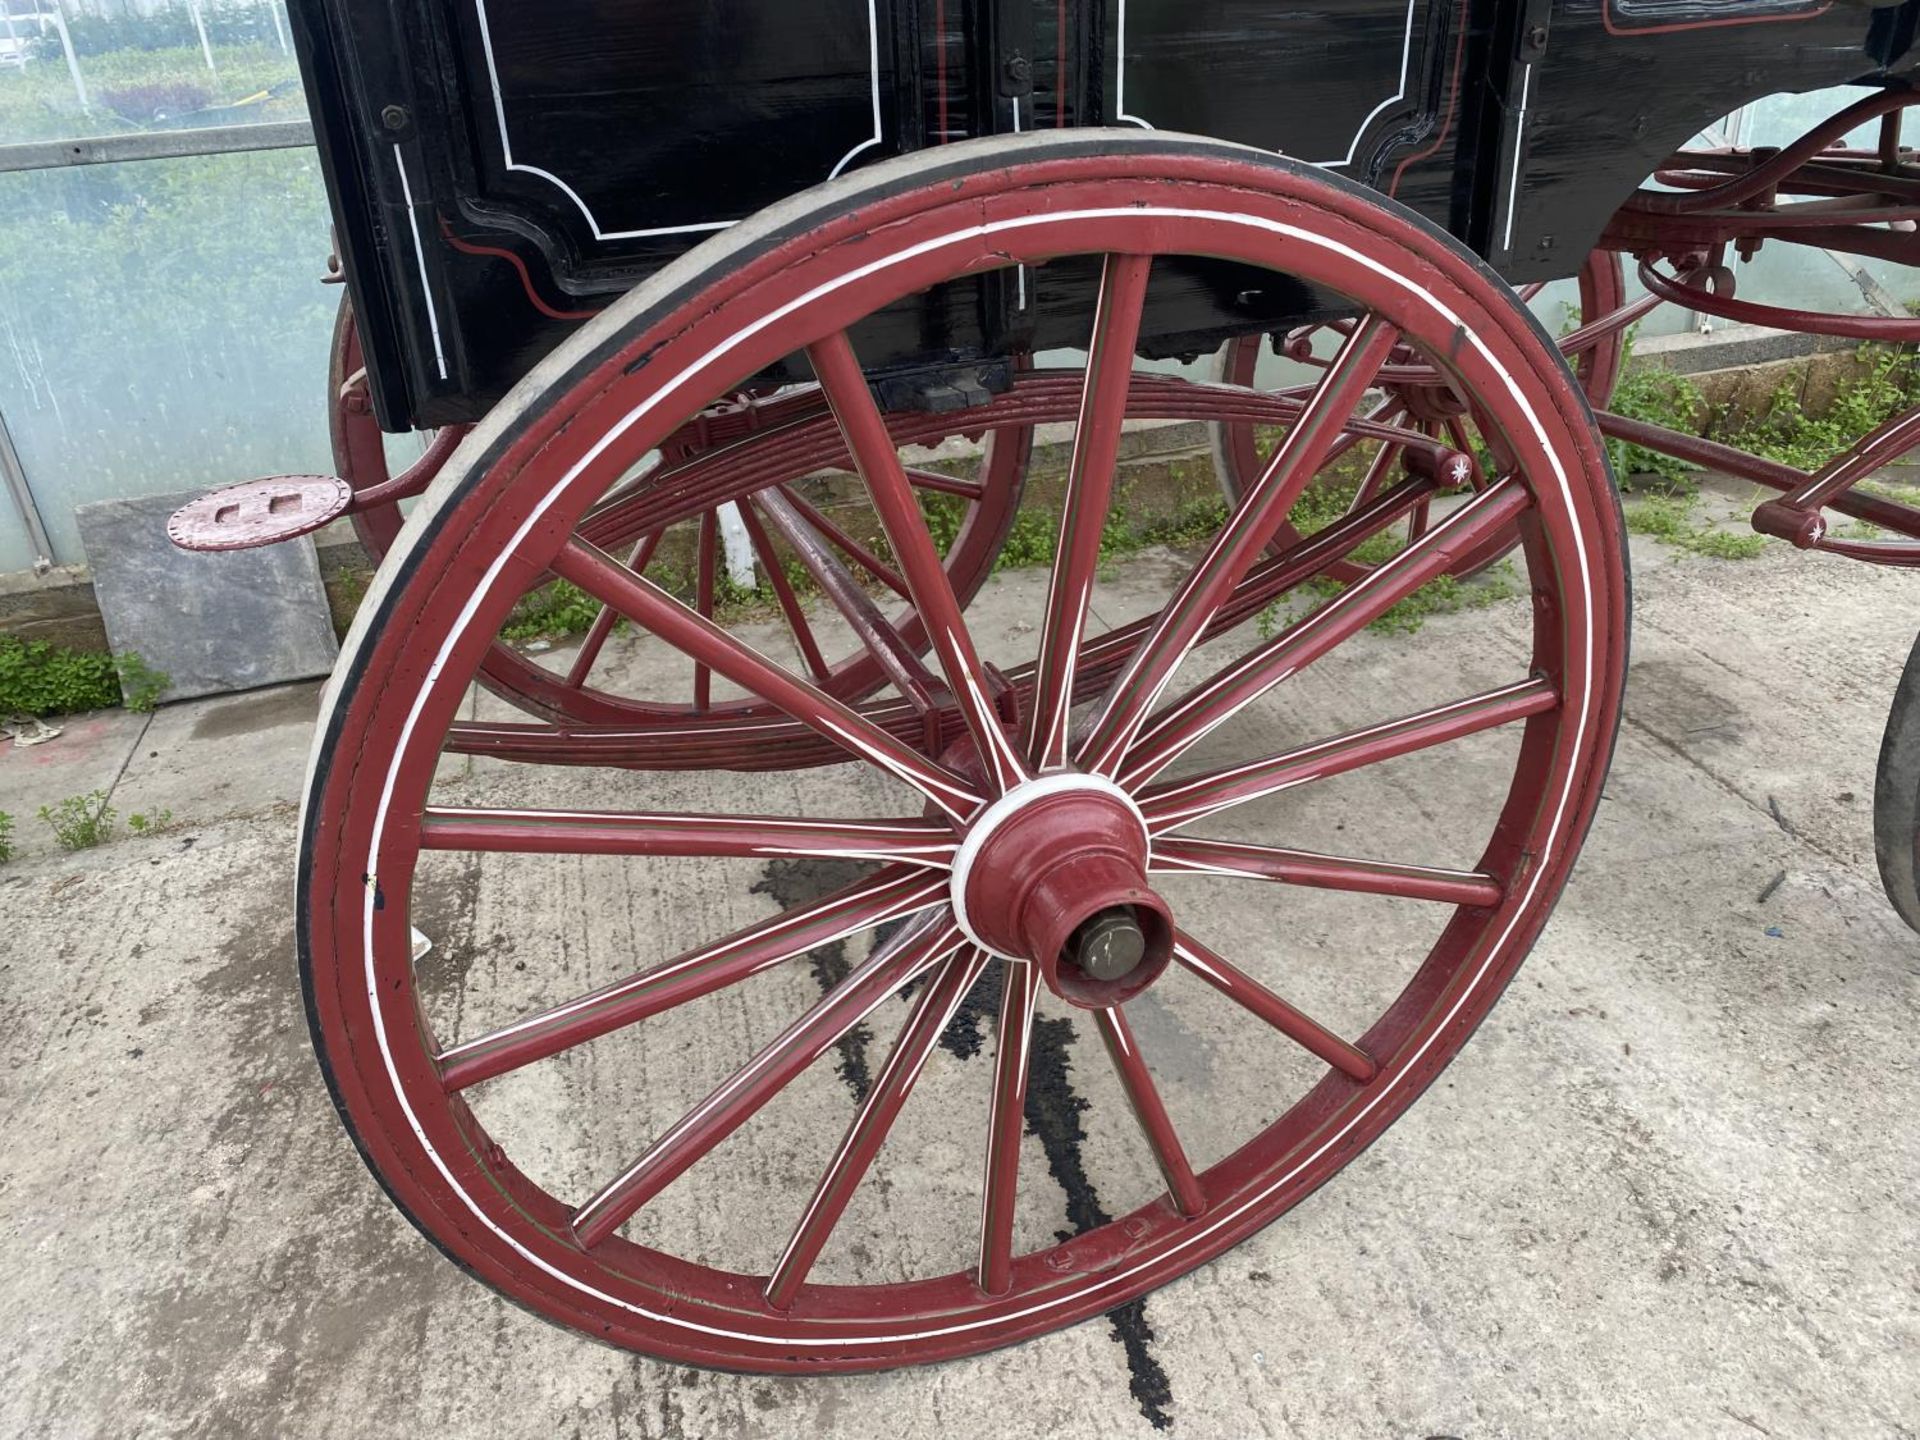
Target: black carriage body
point(500, 169)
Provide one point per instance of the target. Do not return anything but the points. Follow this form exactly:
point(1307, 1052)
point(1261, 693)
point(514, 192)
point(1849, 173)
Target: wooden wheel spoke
point(650, 606)
point(932, 1012)
point(925, 479)
point(875, 457)
point(860, 554)
point(1086, 501)
point(1272, 578)
point(873, 901)
point(748, 1089)
point(876, 633)
point(1148, 1108)
point(1254, 522)
point(783, 593)
point(596, 637)
point(1170, 806)
point(1463, 442)
point(1179, 855)
point(707, 576)
point(1419, 521)
point(1237, 686)
point(923, 843)
point(1257, 999)
point(1378, 469)
point(1006, 1122)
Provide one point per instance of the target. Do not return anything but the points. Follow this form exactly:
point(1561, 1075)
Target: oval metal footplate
point(259, 512)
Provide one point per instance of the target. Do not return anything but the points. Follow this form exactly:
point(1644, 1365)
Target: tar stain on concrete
point(793, 883)
point(1053, 1111)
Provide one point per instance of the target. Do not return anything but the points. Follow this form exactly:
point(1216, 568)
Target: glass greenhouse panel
point(163, 327)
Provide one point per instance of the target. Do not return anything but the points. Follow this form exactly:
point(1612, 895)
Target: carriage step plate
point(259, 512)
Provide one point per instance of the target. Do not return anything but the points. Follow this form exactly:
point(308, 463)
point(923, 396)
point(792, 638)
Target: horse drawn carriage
point(663, 280)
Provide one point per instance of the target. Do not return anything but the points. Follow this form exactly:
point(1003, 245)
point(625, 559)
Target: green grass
point(6, 837)
point(1445, 595)
point(1670, 520)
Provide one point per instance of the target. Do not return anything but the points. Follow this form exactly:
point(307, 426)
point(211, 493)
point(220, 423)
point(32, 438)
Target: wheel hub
point(1055, 872)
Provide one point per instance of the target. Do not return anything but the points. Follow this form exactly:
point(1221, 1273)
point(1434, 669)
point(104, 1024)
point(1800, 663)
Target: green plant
point(80, 822)
point(1887, 385)
point(1660, 397)
point(6, 837)
point(141, 686)
point(1671, 521)
point(38, 678)
point(557, 608)
point(149, 824)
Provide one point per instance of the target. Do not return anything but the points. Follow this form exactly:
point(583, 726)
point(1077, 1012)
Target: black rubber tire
point(1896, 796)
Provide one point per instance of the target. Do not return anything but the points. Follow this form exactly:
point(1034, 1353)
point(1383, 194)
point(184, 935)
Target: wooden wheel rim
point(805, 270)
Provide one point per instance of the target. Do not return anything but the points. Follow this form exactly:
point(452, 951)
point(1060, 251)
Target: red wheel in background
point(1411, 399)
point(1059, 843)
point(758, 478)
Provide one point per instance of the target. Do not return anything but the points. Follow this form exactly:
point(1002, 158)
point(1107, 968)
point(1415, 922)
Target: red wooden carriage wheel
point(992, 499)
point(1040, 841)
point(1237, 458)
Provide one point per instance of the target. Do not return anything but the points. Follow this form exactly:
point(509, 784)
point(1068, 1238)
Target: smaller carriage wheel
point(1043, 854)
point(1418, 406)
point(1896, 797)
point(988, 501)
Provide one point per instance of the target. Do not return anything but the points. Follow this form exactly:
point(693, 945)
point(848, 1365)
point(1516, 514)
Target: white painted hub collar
point(1011, 804)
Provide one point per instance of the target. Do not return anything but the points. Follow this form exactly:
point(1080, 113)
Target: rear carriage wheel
point(1413, 403)
point(1052, 855)
point(1896, 797)
point(754, 454)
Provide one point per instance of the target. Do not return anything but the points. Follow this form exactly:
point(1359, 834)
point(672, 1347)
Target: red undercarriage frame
point(1810, 193)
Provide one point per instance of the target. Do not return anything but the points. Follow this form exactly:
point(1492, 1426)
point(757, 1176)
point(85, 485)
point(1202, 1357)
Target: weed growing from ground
point(80, 822)
point(141, 686)
point(1671, 521)
point(1889, 385)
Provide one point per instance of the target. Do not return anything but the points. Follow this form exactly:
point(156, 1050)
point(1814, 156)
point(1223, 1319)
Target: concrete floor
point(1667, 1190)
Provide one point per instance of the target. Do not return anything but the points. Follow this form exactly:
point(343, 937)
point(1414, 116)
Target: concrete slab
point(1665, 1191)
point(262, 737)
point(211, 623)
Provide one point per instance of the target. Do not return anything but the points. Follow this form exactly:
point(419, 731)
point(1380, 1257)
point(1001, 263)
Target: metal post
point(193, 9)
point(738, 545)
point(279, 29)
point(73, 62)
point(15, 477)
